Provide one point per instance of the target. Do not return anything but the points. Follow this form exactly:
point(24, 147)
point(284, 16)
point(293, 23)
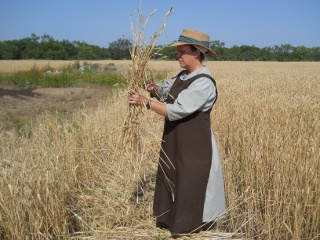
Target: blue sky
point(262, 23)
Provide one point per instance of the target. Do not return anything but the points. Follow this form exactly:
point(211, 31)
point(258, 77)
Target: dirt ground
point(19, 106)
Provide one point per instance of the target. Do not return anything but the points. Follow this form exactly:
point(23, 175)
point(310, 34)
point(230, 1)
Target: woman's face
point(186, 57)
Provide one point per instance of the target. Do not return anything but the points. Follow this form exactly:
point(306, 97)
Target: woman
point(189, 191)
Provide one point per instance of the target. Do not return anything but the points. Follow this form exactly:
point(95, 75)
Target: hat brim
point(210, 52)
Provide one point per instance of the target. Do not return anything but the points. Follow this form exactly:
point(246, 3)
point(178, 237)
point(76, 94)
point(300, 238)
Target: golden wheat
point(62, 179)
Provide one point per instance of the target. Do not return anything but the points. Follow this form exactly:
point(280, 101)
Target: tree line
point(46, 47)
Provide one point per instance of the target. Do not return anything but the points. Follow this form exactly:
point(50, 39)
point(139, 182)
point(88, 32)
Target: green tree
point(248, 53)
point(233, 53)
point(120, 49)
point(55, 55)
point(46, 47)
point(219, 48)
point(283, 52)
point(315, 54)
point(86, 52)
point(266, 54)
point(301, 53)
point(169, 53)
point(100, 53)
point(70, 49)
point(51, 49)
point(32, 49)
point(9, 50)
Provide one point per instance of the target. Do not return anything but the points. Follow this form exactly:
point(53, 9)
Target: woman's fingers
point(131, 92)
point(134, 97)
point(148, 85)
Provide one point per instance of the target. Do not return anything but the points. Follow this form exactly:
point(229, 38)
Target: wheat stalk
point(143, 48)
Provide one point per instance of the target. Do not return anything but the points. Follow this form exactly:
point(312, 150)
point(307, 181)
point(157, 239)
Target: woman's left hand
point(137, 99)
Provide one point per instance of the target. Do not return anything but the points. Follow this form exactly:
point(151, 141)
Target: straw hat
point(196, 38)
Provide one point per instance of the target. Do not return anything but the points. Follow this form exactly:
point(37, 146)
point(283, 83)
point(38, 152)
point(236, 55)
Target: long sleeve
point(199, 96)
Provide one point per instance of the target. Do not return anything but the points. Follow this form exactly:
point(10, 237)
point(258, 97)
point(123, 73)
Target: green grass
point(66, 77)
point(69, 76)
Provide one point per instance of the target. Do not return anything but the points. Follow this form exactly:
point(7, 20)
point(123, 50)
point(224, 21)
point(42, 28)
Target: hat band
point(192, 40)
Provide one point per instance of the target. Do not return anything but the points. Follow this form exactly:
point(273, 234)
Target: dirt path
point(18, 106)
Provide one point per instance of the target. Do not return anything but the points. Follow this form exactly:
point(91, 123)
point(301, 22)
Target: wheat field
point(65, 179)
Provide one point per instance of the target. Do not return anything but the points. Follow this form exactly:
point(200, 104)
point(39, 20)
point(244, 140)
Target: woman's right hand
point(136, 99)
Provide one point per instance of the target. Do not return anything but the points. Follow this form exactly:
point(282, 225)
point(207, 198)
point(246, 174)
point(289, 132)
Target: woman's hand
point(136, 99)
point(152, 88)
point(148, 86)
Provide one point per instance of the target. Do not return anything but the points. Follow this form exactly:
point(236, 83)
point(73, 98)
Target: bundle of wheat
point(143, 48)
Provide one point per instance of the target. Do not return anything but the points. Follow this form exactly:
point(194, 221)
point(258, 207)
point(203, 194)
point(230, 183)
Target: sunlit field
point(21, 65)
point(67, 178)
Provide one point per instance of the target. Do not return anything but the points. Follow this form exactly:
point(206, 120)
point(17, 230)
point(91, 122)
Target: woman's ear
point(198, 53)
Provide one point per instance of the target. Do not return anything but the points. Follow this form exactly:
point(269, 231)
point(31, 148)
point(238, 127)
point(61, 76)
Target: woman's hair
point(194, 49)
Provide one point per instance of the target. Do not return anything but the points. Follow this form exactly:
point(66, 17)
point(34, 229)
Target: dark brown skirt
point(183, 172)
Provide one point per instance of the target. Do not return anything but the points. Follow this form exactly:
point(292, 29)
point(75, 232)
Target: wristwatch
point(148, 105)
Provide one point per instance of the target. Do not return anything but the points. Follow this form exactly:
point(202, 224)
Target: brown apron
point(184, 167)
